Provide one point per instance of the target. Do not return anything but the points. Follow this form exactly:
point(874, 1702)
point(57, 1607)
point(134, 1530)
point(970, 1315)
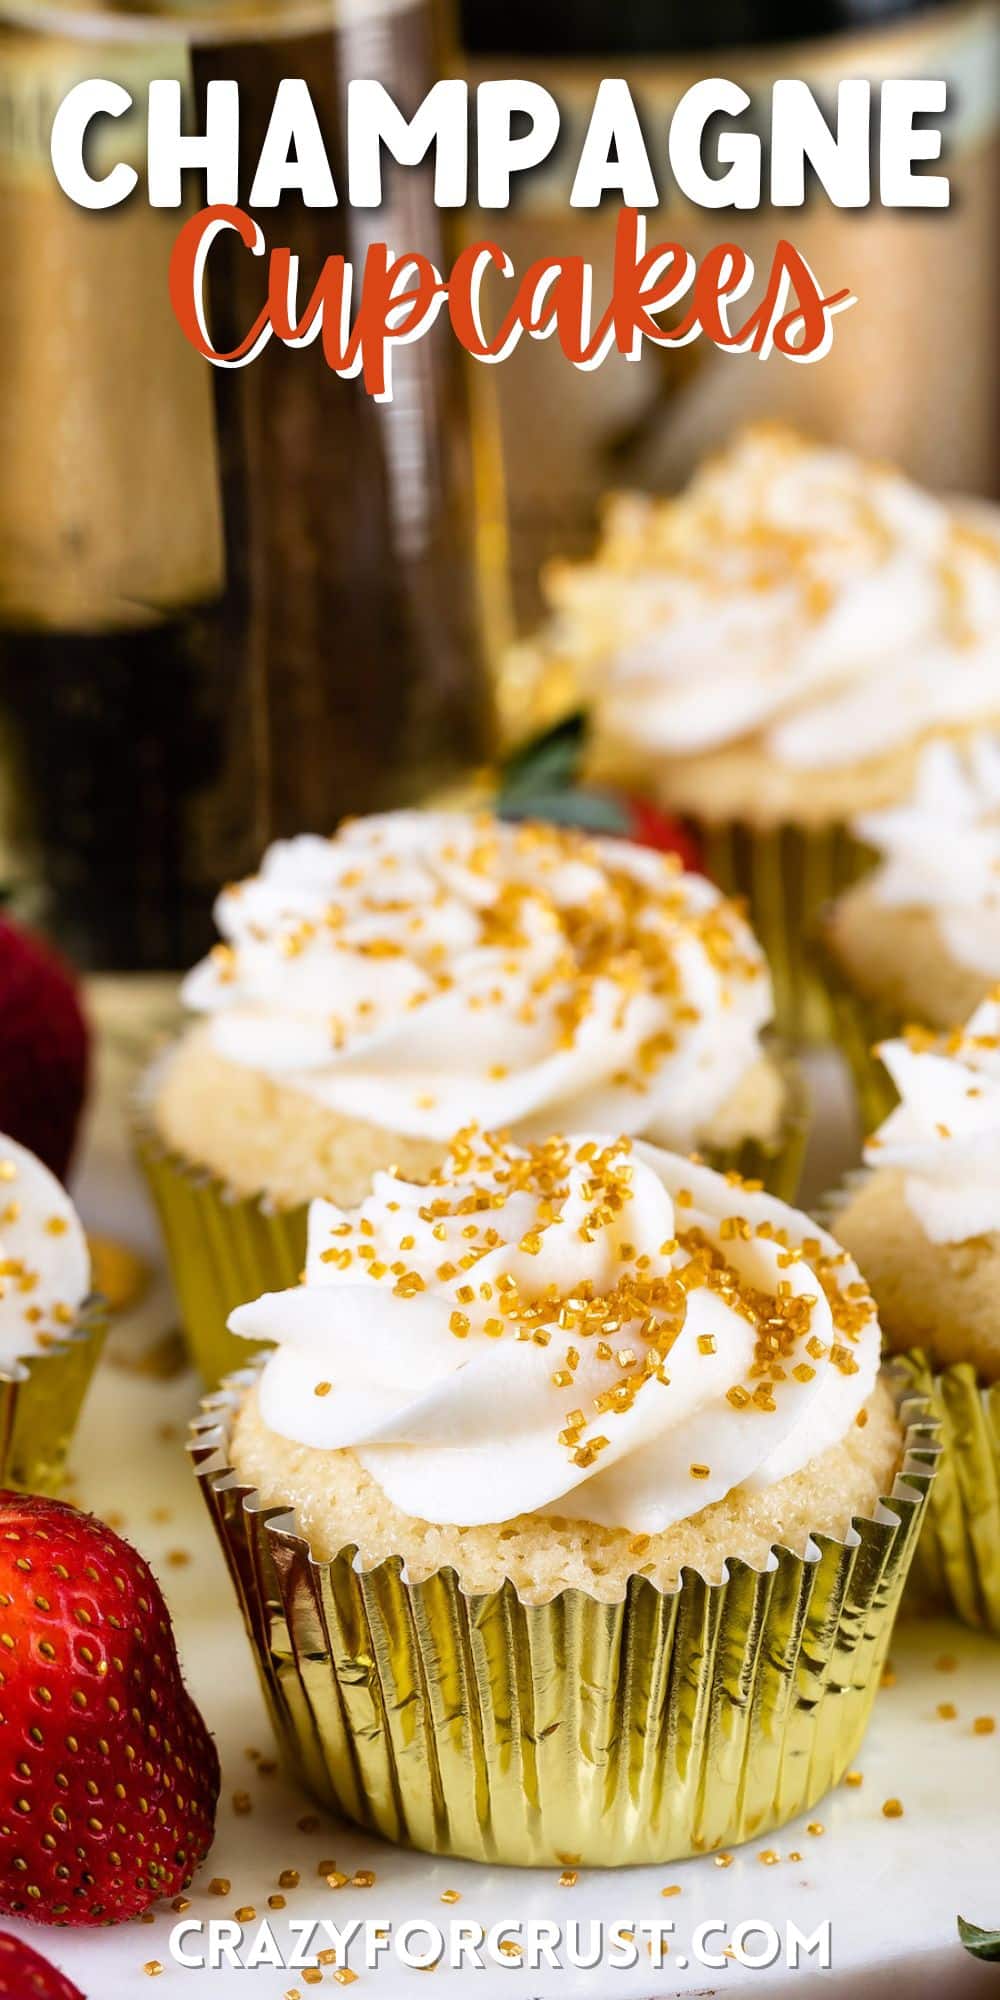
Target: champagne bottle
point(233, 606)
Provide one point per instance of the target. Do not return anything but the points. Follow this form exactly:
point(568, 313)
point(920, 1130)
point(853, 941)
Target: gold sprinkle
point(288, 1879)
point(815, 1827)
point(363, 1878)
point(246, 1914)
point(276, 1903)
point(768, 1856)
point(854, 1779)
point(947, 1711)
point(220, 1885)
point(723, 1860)
point(242, 1802)
point(451, 1895)
point(892, 1809)
point(322, 1388)
point(984, 1725)
point(672, 1889)
point(568, 1879)
point(344, 1976)
point(701, 1471)
point(152, 1968)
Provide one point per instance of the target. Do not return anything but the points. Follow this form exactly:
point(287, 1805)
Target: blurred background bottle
point(926, 280)
point(233, 605)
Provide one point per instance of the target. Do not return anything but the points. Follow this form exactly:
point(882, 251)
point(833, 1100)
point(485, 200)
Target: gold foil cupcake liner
point(857, 1025)
point(572, 1732)
point(956, 1565)
point(786, 874)
point(41, 1397)
point(224, 1248)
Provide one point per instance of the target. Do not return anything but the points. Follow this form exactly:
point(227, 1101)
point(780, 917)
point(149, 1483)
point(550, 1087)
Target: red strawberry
point(43, 1034)
point(652, 828)
point(26, 1976)
point(108, 1777)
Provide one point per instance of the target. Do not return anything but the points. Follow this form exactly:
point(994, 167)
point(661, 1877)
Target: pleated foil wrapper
point(956, 1565)
point(573, 1732)
point(786, 875)
point(857, 1025)
point(225, 1249)
point(40, 1401)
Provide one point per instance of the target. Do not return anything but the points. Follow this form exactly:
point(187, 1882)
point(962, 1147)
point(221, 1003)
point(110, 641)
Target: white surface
point(891, 1888)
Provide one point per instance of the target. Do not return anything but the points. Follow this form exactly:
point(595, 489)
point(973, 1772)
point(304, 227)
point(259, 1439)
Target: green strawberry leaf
point(545, 764)
point(981, 1944)
point(595, 812)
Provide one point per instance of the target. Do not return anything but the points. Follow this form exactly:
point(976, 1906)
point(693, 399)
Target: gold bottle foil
point(573, 1732)
point(40, 1401)
point(224, 1249)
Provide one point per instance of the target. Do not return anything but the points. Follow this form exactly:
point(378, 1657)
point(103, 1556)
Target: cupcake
point(923, 1221)
point(770, 652)
point(50, 1329)
point(555, 1510)
point(918, 938)
point(420, 971)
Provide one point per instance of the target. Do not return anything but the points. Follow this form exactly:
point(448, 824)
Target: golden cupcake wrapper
point(225, 1249)
point(857, 1025)
point(40, 1400)
point(573, 1732)
point(957, 1559)
point(956, 1565)
point(786, 874)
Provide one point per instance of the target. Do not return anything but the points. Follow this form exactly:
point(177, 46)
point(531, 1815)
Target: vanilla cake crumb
point(337, 1503)
point(938, 1296)
point(260, 1136)
point(899, 958)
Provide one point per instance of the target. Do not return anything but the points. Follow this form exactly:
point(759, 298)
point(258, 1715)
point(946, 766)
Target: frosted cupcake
point(770, 652)
point(918, 939)
point(376, 991)
point(924, 1223)
point(50, 1330)
point(566, 1447)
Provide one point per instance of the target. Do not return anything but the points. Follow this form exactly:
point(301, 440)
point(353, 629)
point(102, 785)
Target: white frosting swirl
point(944, 1135)
point(587, 1328)
point(794, 595)
point(941, 850)
point(422, 971)
point(44, 1261)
